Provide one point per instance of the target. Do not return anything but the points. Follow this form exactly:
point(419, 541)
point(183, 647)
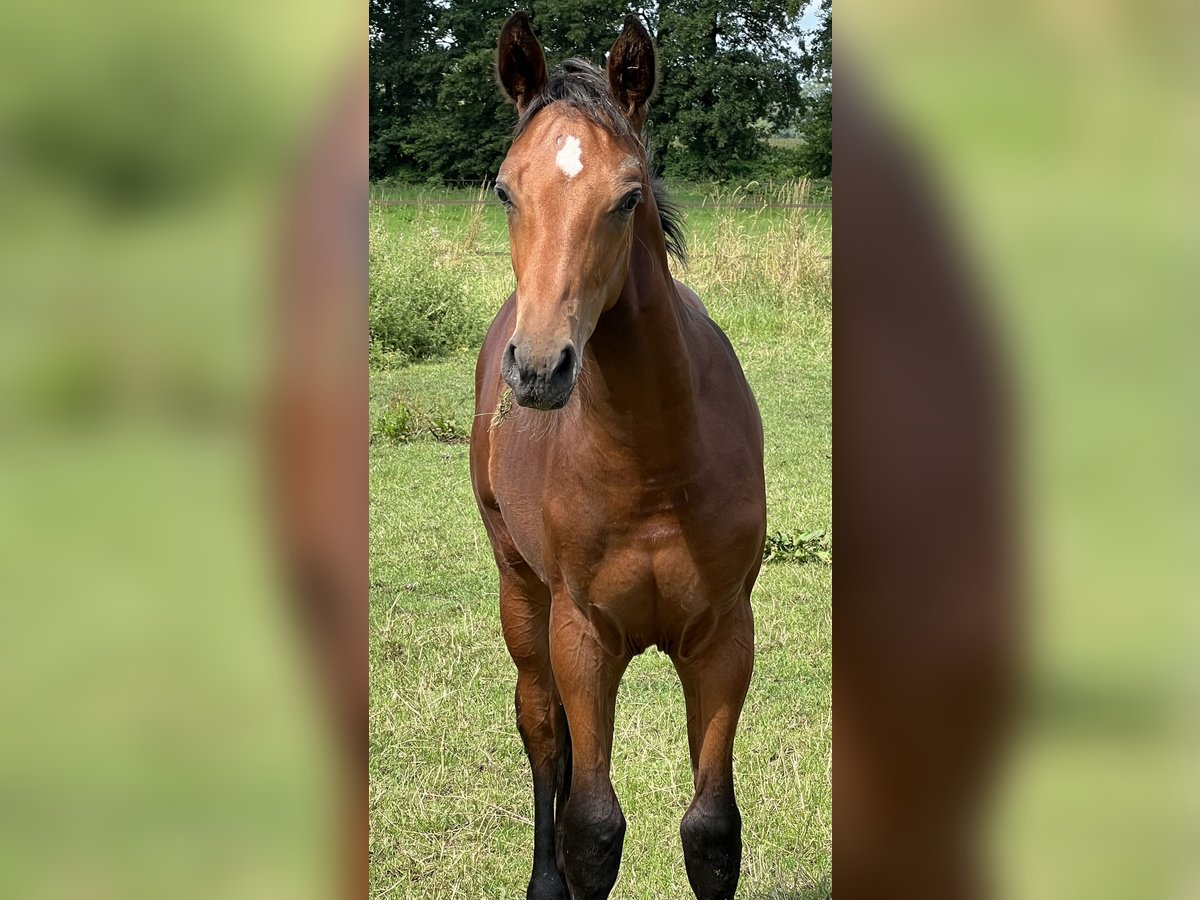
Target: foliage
point(726, 64)
point(815, 155)
point(816, 128)
point(403, 71)
point(783, 162)
point(404, 420)
point(813, 546)
point(417, 306)
point(731, 74)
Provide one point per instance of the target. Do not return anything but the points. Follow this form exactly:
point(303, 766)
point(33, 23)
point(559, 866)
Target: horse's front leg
point(592, 830)
point(524, 616)
point(715, 676)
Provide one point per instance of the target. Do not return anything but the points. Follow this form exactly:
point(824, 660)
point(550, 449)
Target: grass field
point(455, 214)
point(451, 802)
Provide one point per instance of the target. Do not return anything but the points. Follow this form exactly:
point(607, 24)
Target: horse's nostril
point(566, 363)
point(510, 356)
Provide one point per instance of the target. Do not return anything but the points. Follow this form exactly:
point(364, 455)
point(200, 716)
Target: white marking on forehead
point(568, 157)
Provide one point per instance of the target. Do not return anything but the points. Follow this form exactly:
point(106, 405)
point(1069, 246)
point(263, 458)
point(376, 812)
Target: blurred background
point(161, 731)
point(1059, 141)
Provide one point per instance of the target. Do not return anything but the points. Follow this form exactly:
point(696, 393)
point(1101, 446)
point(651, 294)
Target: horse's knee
point(592, 837)
point(712, 848)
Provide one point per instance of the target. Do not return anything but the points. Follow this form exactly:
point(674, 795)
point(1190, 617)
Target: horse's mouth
point(546, 403)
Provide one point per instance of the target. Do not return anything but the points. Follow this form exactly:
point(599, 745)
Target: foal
point(617, 461)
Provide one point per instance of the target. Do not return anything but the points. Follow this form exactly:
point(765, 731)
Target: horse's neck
point(645, 367)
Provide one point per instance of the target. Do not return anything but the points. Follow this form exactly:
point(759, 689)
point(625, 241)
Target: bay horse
point(617, 463)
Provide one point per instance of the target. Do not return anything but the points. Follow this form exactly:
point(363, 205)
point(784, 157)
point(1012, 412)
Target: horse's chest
point(616, 534)
point(640, 555)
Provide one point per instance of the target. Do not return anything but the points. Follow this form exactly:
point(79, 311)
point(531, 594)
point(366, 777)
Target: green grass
point(451, 802)
point(454, 215)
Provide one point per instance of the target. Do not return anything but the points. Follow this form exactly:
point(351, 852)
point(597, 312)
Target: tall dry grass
point(760, 256)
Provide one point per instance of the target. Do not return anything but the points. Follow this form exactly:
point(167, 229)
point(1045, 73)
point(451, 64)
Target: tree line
point(734, 72)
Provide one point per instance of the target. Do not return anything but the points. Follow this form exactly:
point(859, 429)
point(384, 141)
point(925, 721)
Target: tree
point(817, 125)
point(464, 133)
point(435, 110)
point(727, 64)
point(404, 70)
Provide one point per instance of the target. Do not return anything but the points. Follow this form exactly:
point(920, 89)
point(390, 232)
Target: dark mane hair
point(582, 86)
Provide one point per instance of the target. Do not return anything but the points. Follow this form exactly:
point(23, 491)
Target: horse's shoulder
point(723, 379)
point(488, 396)
point(502, 323)
point(487, 363)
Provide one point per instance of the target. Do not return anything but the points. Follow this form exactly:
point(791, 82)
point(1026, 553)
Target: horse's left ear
point(633, 69)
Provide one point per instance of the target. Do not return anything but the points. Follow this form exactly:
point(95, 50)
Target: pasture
point(450, 794)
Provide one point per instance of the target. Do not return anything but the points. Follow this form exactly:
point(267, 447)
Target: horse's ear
point(520, 63)
point(633, 69)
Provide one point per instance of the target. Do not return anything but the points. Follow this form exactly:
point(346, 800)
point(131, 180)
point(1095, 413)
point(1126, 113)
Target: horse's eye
point(502, 196)
point(631, 202)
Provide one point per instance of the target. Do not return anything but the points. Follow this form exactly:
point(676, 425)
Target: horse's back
point(690, 297)
point(727, 402)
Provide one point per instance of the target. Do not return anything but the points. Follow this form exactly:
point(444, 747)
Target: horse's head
point(571, 182)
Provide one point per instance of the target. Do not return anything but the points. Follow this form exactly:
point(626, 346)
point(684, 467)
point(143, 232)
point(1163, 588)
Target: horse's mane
point(582, 86)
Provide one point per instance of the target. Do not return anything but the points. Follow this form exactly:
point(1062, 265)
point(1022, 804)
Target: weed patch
point(418, 307)
point(811, 547)
point(405, 420)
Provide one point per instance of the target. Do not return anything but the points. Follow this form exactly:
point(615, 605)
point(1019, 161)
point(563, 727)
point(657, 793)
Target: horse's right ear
point(520, 64)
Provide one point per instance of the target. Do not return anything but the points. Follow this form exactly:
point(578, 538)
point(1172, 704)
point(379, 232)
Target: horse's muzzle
point(540, 380)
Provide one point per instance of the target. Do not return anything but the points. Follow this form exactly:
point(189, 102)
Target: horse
point(617, 464)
